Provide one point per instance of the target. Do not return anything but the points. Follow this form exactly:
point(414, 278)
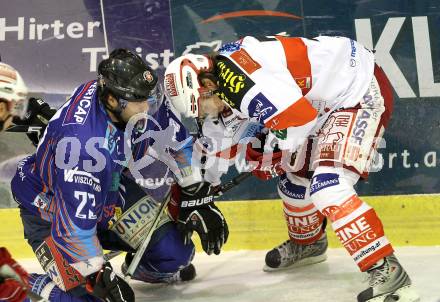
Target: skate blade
point(403, 294)
point(303, 262)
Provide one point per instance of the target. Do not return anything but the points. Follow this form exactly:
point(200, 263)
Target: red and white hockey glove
point(14, 279)
point(267, 165)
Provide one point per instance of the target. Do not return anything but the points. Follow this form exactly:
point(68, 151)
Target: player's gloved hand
point(14, 281)
point(108, 286)
point(266, 165)
point(198, 213)
point(38, 115)
point(11, 290)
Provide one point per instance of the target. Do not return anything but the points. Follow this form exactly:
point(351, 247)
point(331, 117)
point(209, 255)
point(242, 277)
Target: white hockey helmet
point(13, 90)
point(182, 85)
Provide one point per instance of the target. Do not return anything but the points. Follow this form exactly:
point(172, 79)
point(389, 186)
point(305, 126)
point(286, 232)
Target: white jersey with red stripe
point(223, 139)
point(293, 83)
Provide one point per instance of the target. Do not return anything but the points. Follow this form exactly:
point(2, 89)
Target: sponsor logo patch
point(261, 108)
point(359, 233)
point(82, 177)
point(345, 209)
point(188, 78)
point(196, 202)
point(41, 201)
point(360, 126)
point(280, 134)
point(322, 181)
point(353, 53)
point(230, 47)
point(148, 76)
point(110, 137)
point(304, 227)
point(170, 84)
point(333, 136)
point(304, 83)
point(245, 61)
point(233, 82)
point(80, 107)
point(134, 224)
point(290, 189)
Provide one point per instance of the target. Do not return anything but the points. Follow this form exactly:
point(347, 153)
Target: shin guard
point(304, 221)
point(356, 224)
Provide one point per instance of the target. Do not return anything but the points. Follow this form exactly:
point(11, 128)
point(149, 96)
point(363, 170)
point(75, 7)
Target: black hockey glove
point(108, 286)
point(37, 117)
point(198, 213)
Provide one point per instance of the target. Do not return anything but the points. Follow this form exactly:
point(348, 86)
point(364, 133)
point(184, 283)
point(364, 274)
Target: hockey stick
point(232, 183)
point(24, 129)
point(35, 297)
point(140, 252)
point(112, 254)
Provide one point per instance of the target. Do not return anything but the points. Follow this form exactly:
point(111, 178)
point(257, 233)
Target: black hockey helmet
point(127, 76)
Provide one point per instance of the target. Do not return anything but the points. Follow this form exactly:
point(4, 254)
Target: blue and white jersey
point(73, 178)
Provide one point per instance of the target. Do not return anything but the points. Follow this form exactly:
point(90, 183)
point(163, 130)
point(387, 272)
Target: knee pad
point(330, 186)
point(66, 276)
point(164, 258)
point(356, 224)
point(304, 221)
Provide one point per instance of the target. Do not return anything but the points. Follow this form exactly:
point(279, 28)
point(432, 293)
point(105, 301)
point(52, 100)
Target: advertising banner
point(405, 39)
point(57, 45)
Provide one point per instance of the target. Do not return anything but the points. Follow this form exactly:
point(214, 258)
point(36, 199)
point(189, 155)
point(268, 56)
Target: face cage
point(17, 107)
point(155, 99)
point(204, 93)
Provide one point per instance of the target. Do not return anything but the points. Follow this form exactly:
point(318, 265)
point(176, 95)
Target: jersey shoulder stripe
point(298, 62)
point(297, 114)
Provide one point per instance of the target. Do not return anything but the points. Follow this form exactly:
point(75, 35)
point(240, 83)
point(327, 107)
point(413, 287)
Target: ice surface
point(238, 277)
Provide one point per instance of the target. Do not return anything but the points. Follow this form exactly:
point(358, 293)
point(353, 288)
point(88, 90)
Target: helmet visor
point(155, 99)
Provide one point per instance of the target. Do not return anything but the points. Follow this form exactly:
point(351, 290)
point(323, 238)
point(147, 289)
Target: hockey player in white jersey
point(13, 95)
point(326, 88)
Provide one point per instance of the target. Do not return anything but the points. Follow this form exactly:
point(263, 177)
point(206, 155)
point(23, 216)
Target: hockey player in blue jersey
point(75, 192)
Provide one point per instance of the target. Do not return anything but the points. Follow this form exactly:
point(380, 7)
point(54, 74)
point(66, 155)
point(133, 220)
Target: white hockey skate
point(290, 255)
point(388, 283)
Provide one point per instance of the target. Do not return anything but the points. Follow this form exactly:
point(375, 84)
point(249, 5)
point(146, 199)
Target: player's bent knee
point(169, 254)
point(332, 186)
